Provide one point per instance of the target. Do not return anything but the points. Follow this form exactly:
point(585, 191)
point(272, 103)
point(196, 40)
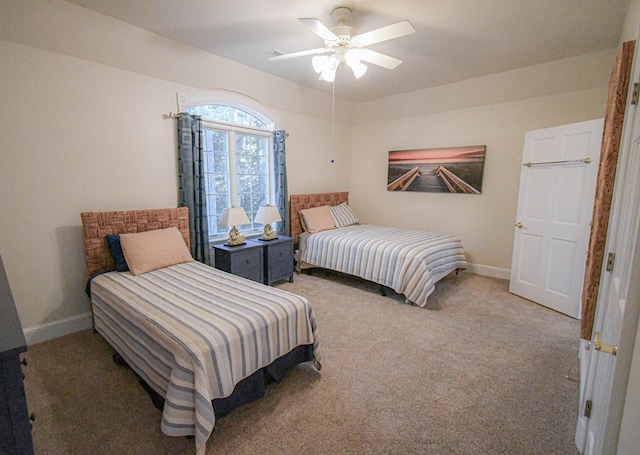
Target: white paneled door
point(555, 205)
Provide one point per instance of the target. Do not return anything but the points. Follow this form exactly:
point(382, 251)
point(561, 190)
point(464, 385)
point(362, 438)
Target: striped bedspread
point(193, 332)
point(409, 262)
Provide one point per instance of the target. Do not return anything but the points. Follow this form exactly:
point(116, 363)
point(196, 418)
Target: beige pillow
point(317, 219)
point(151, 250)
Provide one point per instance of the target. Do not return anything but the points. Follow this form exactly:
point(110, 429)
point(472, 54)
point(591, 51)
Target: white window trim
point(234, 99)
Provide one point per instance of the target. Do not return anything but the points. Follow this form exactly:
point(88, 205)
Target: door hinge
point(636, 93)
point(611, 259)
point(587, 408)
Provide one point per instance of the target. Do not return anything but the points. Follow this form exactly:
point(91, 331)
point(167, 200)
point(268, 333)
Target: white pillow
point(342, 215)
point(151, 250)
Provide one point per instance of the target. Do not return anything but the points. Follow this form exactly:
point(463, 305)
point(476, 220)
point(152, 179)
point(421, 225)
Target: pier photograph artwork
point(437, 170)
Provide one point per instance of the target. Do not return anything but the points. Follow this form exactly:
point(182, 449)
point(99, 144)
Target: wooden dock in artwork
point(403, 182)
point(453, 182)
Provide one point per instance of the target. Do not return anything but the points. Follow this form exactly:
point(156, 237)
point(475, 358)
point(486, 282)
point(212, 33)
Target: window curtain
point(191, 184)
point(614, 117)
point(280, 175)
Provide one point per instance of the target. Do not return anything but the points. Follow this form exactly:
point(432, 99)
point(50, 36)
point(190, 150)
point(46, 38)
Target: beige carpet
point(482, 372)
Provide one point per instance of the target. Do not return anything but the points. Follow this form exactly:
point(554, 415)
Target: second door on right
point(555, 206)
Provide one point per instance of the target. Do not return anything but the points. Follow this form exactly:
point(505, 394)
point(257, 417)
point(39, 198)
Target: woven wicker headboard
point(97, 225)
point(299, 202)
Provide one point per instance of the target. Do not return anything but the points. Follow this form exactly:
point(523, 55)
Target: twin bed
point(203, 341)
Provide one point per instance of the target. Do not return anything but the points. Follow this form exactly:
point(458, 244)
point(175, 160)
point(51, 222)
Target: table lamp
point(233, 217)
point(266, 215)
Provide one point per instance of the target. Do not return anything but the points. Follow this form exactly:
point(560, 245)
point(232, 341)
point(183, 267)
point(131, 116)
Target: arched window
point(238, 149)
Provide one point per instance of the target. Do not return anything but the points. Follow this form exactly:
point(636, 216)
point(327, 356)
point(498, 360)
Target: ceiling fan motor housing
point(341, 45)
point(344, 32)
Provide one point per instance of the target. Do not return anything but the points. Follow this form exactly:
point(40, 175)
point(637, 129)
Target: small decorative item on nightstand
point(266, 215)
point(278, 259)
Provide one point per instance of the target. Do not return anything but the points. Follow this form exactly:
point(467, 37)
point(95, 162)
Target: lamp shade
point(267, 214)
point(234, 216)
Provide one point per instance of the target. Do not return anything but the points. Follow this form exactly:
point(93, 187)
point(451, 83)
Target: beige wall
point(632, 22)
point(494, 111)
point(82, 128)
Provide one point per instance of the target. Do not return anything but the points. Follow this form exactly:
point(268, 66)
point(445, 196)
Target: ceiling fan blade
point(384, 33)
point(379, 59)
point(319, 29)
point(320, 50)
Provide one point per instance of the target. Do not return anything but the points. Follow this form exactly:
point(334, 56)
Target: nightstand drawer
point(247, 264)
point(245, 260)
point(278, 259)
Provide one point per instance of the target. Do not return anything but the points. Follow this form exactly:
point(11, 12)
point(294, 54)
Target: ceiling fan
point(341, 45)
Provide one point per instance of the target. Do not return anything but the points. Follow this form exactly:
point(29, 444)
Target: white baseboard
point(51, 330)
point(487, 270)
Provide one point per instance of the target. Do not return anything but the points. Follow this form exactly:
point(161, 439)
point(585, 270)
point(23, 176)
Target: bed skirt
point(251, 388)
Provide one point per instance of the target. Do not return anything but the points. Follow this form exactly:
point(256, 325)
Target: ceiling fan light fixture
point(353, 56)
point(320, 62)
point(358, 69)
point(328, 74)
point(326, 65)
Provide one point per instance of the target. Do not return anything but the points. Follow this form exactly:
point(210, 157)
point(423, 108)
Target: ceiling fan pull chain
point(333, 120)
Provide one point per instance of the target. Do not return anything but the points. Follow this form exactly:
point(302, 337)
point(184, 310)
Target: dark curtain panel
point(616, 105)
point(280, 173)
point(191, 184)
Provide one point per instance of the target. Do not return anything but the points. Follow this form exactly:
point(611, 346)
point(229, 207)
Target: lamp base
point(235, 238)
point(268, 240)
point(235, 244)
point(269, 233)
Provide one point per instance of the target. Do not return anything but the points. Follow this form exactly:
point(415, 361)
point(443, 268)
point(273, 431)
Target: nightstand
point(242, 260)
point(278, 259)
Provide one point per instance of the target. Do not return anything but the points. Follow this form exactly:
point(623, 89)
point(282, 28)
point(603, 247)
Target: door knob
point(600, 346)
point(519, 225)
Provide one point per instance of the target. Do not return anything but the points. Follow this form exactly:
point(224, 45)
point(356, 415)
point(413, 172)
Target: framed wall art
point(437, 170)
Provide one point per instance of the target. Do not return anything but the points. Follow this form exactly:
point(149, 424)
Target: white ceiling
point(454, 40)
